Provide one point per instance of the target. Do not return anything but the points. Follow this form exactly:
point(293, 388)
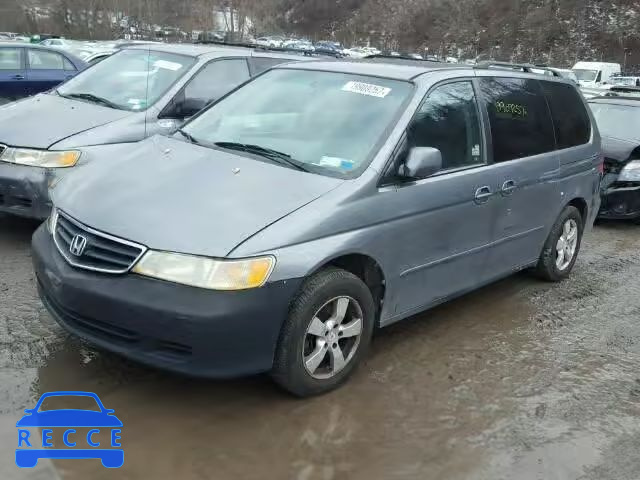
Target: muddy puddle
point(520, 380)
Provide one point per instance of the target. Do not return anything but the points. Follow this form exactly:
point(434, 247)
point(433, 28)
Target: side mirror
point(422, 162)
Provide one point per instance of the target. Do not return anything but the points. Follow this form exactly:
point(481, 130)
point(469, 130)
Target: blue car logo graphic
point(28, 453)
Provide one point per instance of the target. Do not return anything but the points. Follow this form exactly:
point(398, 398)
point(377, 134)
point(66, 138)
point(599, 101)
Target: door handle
point(17, 77)
point(508, 188)
point(483, 194)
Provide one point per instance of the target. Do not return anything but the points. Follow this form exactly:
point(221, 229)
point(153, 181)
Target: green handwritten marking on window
point(511, 109)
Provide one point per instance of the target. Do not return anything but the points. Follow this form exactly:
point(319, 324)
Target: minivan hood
point(174, 196)
point(44, 120)
point(618, 149)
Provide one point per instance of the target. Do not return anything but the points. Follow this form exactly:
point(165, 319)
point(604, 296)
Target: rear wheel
point(561, 249)
point(327, 333)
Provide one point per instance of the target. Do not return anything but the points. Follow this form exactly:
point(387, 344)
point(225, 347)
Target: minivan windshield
point(586, 75)
point(322, 122)
point(617, 121)
point(128, 80)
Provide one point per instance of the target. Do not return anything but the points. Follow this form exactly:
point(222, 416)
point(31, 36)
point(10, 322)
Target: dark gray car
point(136, 93)
point(316, 203)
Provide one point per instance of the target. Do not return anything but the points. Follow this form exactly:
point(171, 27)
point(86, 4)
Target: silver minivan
point(138, 92)
point(278, 228)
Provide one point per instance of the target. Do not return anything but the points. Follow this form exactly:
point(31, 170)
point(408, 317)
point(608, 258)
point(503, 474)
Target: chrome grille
point(84, 247)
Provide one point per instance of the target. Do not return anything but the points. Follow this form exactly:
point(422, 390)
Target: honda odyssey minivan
point(278, 228)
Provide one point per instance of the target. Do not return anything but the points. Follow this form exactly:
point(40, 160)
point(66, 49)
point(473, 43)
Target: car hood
point(69, 418)
point(174, 196)
point(617, 149)
point(44, 120)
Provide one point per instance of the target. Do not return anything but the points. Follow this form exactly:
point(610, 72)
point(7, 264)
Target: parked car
point(270, 42)
point(274, 232)
point(328, 48)
point(132, 94)
point(618, 119)
point(566, 73)
point(595, 74)
point(59, 43)
point(626, 81)
point(29, 69)
point(98, 56)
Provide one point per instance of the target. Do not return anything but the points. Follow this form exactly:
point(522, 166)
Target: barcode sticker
point(366, 89)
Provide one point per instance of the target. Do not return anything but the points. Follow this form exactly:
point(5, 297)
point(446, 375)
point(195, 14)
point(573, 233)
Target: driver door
point(446, 221)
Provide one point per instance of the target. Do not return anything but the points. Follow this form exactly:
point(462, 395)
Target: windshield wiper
point(269, 154)
point(188, 136)
point(93, 98)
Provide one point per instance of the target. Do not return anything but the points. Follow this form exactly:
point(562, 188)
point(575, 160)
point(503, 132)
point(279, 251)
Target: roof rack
point(261, 47)
point(399, 57)
point(524, 67)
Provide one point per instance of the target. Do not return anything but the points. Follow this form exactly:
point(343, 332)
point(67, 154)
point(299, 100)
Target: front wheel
point(326, 334)
point(561, 249)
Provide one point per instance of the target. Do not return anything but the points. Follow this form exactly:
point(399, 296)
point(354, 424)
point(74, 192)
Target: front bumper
point(24, 190)
point(620, 201)
point(185, 329)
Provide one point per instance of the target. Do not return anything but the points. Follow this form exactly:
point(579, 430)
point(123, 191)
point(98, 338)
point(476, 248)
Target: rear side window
point(217, 78)
point(68, 65)
point(10, 59)
point(569, 114)
point(43, 60)
point(260, 64)
point(519, 118)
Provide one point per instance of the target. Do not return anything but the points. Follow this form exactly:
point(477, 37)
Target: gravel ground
point(520, 380)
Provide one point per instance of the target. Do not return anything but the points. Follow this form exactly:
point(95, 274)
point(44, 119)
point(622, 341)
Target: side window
point(448, 121)
point(43, 60)
point(68, 65)
point(216, 79)
point(519, 118)
point(10, 59)
point(570, 117)
point(599, 77)
point(260, 64)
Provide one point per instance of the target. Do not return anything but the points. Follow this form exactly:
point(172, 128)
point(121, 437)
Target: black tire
point(288, 369)
point(547, 268)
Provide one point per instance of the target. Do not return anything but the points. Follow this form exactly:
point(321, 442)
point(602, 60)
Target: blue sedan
point(29, 69)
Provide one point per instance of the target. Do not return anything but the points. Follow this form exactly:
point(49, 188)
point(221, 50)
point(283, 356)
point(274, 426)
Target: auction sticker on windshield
point(366, 89)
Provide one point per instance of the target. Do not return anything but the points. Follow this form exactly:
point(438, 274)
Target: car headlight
point(630, 172)
point(52, 220)
point(40, 158)
point(206, 272)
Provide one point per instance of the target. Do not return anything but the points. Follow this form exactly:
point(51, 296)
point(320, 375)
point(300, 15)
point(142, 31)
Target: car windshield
point(618, 121)
point(324, 122)
point(586, 75)
point(129, 80)
point(63, 402)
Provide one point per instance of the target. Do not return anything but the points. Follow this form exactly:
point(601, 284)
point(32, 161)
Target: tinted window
point(448, 121)
point(260, 64)
point(570, 117)
point(43, 60)
point(10, 59)
point(519, 118)
point(217, 78)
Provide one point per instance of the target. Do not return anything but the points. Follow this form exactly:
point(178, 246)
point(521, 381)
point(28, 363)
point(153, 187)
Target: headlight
point(630, 172)
point(205, 272)
point(40, 158)
point(52, 220)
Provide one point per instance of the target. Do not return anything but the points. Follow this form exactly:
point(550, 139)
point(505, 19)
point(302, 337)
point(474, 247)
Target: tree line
point(554, 32)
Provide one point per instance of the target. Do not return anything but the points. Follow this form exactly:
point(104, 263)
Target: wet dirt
point(519, 380)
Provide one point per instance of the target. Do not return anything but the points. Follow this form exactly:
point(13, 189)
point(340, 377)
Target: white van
point(595, 74)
